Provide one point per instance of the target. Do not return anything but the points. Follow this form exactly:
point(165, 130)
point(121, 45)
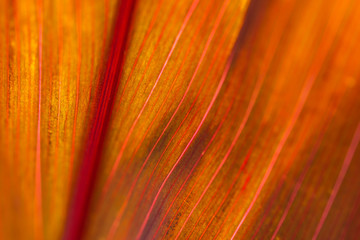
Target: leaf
point(179, 119)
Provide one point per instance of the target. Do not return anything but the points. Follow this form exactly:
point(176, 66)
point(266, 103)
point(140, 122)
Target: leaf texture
point(185, 119)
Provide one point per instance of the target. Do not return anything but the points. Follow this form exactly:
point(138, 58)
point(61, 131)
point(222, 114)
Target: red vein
point(38, 193)
point(87, 173)
point(115, 166)
point(348, 158)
